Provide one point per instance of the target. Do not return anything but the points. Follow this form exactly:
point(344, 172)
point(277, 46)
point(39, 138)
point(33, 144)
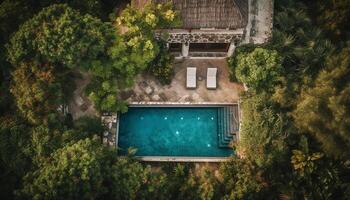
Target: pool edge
point(180, 104)
point(181, 159)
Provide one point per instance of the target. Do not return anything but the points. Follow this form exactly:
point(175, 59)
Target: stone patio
point(148, 89)
point(80, 105)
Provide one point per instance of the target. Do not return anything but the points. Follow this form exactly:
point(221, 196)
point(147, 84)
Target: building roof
point(221, 14)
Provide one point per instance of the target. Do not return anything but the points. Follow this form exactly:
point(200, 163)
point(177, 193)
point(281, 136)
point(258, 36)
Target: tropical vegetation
point(295, 133)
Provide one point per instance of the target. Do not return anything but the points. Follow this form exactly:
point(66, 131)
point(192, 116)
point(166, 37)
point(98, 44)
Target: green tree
point(46, 49)
point(240, 180)
point(333, 17)
point(263, 133)
point(14, 158)
point(89, 170)
point(128, 178)
point(104, 94)
point(12, 14)
point(315, 175)
point(130, 54)
point(303, 47)
point(74, 171)
point(180, 182)
point(47, 138)
point(323, 110)
point(61, 36)
point(92, 7)
point(259, 69)
point(37, 91)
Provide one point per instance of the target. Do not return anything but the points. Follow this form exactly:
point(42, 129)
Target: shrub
point(260, 69)
point(162, 67)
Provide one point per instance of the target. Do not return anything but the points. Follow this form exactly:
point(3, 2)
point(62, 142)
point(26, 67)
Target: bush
point(162, 67)
point(104, 95)
point(232, 62)
point(240, 180)
point(259, 69)
point(263, 135)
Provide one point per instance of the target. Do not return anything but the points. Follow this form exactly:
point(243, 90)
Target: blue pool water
point(171, 131)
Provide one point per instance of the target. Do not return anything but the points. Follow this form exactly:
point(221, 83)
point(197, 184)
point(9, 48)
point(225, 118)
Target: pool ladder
point(228, 125)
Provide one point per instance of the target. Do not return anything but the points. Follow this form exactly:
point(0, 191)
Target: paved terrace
point(148, 89)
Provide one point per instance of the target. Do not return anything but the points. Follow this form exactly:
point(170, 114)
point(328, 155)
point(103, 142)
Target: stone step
point(226, 144)
point(235, 119)
point(228, 125)
point(231, 109)
point(225, 137)
point(224, 123)
point(227, 133)
point(220, 125)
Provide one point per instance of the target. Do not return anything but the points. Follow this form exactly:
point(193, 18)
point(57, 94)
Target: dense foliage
point(162, 66)
point(333, 17)
point(259, 69)
point(293, 128)
point(44, 52)
point(264, 131)
point(60, 35)
point(323, 108)
point(71, 172)
point(14, 13)
point(36, 90)
point(131, 53)
point(294, 139)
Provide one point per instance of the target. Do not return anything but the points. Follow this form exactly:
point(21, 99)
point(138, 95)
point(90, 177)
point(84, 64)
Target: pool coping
point(180, 104)
point(182, 159)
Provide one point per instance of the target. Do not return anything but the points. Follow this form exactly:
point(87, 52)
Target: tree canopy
point(258, 69)
point(294, 136)
point(38, 92)
point(60, 35)
point(323, 109)
point(288, 132)
point(75, 171)
point(46, 49)
point(130, 54)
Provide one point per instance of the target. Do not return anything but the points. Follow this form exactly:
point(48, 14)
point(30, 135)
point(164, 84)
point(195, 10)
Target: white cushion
point(211, 78)
point(191, 77)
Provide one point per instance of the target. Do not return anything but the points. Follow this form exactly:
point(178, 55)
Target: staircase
point(228, 125)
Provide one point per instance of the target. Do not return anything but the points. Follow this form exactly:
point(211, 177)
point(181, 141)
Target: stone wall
point(202, 36)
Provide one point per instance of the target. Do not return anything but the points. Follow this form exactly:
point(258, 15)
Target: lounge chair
point(191, 77)
point(211, 78)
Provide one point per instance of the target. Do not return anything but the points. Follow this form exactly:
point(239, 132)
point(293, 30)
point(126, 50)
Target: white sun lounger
point(211, 78)
point(191, 77)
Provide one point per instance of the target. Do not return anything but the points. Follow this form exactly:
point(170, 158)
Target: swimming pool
point(172, 131)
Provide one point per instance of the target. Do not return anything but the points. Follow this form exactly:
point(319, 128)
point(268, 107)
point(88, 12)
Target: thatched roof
point(196, 14)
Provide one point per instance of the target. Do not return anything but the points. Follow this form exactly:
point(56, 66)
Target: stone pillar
point(231, 49)
point(185, 49)
point(167, 45)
